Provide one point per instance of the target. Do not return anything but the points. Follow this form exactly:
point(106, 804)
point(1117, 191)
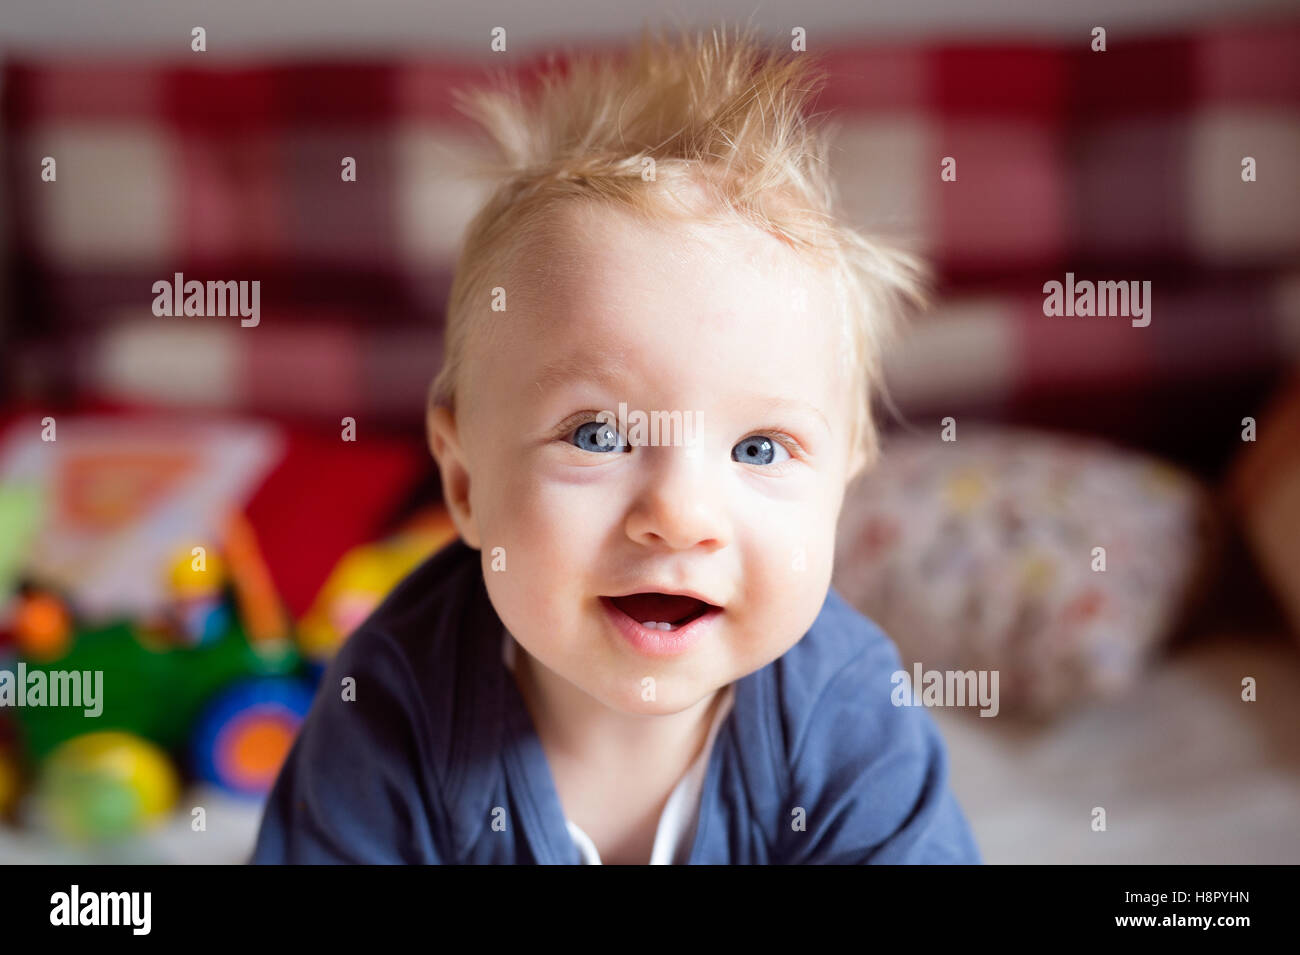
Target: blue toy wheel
point(245, 733)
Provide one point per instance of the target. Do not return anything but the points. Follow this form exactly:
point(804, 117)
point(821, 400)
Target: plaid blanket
point(1118, 165)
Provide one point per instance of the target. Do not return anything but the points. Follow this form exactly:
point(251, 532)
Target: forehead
point(602, 283)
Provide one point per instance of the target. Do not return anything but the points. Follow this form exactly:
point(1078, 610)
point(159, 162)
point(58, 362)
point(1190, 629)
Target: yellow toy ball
point(196, 572)
point(106, 785)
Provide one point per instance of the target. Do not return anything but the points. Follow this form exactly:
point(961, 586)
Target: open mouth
point(656, 611)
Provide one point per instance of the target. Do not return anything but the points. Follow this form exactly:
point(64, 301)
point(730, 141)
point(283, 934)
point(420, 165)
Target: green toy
point(155, 692)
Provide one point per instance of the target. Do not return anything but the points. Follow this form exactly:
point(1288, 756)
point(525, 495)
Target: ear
point(444, 442)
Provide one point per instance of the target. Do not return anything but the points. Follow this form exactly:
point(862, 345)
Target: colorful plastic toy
point(260, 609)
point(363, 577)
point(200, 613)
point(42, 625)
point(192, 575)
point(106, 785)
point(211, 672)
point(245, 733)
point(155, 692)
point(23, 509)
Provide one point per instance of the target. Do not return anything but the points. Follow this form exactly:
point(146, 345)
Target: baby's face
point(702, 322)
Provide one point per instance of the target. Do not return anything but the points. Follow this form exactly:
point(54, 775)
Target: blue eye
point(598, 436)
point(757, 449)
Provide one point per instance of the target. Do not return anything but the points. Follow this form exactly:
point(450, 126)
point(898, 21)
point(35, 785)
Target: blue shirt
point(436, 760)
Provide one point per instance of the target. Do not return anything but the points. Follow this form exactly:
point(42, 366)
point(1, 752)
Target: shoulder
point(428, 618)
point(366, 778)
point(429, 601)
point(843, 653)
point(420, 642)
point(867, 780)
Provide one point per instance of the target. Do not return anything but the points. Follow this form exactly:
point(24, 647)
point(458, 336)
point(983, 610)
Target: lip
point(661, 643)
point(653, 589)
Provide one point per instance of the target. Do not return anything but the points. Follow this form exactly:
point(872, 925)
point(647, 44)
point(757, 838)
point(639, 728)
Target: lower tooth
point(654, 625)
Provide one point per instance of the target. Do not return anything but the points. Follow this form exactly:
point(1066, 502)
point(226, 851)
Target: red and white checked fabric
point(1122, 165)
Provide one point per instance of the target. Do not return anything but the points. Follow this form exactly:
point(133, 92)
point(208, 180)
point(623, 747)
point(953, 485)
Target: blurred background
point(202, 511)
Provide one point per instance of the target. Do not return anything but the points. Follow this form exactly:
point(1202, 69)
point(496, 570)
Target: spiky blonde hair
point(718, 113)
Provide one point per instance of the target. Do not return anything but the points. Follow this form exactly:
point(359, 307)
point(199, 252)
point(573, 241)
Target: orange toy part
point(260, 749)
point(260, 609)
point(42, 627)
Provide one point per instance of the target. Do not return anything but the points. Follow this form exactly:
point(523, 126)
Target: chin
point(633, 704)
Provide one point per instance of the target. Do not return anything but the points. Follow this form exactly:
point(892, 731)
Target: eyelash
point(797, 453)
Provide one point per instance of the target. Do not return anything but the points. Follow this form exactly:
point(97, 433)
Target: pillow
point(1061, 563)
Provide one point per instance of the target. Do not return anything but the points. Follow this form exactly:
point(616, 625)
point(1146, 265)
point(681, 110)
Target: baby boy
point(660, 344)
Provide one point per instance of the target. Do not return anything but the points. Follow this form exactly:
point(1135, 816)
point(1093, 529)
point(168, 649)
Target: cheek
point(532, 585)
point(790, 544)
point(549, 538)
point(790, 554)
point(553, 522)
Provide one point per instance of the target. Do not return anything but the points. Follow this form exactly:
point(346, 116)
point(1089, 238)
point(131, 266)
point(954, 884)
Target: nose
point(680, 504)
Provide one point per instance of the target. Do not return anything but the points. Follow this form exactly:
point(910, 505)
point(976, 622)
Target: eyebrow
point(607, 369)
point(611, 368)
point(771, 404)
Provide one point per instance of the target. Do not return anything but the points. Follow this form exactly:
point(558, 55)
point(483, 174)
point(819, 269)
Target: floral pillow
point(1062, 563)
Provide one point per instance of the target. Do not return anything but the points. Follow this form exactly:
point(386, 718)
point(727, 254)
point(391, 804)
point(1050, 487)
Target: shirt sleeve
point(354, 787)
point(871, 778)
